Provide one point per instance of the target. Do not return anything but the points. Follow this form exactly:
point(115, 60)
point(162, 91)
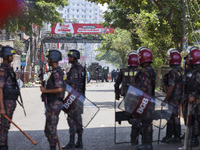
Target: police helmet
point(7, 51)
point(55, 55)
point(74, 53)
point(133, 59)
point(194, 55)
point(174, 57)
point(144, 55)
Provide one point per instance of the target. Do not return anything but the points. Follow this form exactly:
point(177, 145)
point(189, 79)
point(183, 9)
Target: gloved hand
point(117, 96)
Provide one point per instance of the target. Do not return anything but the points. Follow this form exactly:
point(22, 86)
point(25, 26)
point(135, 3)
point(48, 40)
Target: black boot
point(52, 148)
point(79, 143)
point(195, 141)
point(177, 134)
point(134, 135)
point(169, 132)
point(5, 147)
point(71, 144)
point(146, 138)
point(144, 147)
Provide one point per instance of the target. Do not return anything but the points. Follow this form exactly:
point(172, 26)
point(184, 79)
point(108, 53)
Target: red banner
point(70, 100)
point(83, 28)
point(142, 106)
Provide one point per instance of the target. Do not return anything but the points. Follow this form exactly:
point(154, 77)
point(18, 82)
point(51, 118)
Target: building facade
point(81, 11)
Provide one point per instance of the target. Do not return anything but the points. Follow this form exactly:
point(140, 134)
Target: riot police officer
point(126, 77)
point(174, 83)
point(145, 80)
point(193, 92)
point(8, 93)
point(186, 79)
point(54, 95)
point(75, 78)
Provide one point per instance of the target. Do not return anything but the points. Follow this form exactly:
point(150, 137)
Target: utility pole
point(184, 39)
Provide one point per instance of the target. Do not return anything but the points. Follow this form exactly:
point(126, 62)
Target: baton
point(59, 147)
point(19, 129)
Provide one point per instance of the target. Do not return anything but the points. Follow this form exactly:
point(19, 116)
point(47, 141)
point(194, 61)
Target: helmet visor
point(190, 48)
point(171, 50)
point(142, 48)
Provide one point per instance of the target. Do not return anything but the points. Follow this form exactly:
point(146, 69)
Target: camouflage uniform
point(175, 78)
point(54, 106)
point(75, 76)
point(126, 77)
point(7, 76)
point(145, 80)
point(194, 91)
point(186, 80)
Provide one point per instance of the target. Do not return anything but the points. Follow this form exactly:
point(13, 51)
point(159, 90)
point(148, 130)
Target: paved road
point(99, 135)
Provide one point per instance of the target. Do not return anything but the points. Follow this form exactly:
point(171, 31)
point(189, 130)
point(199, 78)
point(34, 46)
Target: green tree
point(119, 42)
point(117, 17)
point(36, 12)
point(153, 34)
point(170, 11)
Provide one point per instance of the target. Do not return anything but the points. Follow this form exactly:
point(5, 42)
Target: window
point(68, 10)
point(77, 16)
point(77, 4)
point(60, 8)
point(77, 10)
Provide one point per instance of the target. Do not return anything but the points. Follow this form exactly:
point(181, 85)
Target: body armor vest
point(129, 75)
point(50, 85)
point(10, 90)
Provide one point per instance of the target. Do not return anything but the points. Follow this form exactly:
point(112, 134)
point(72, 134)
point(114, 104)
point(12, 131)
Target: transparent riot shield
point(142, 105)
point(78, 107)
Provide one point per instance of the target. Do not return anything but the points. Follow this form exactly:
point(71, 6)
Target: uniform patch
point(135, 73)
point(131, 73)
point(125, 73)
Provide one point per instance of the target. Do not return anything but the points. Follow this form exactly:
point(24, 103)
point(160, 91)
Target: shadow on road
point(93, 139)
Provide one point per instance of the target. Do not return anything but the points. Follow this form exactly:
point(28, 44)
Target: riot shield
point(142, 105)
point(78, 107)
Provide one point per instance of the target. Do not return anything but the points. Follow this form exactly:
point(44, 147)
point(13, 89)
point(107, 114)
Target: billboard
point(76, 28)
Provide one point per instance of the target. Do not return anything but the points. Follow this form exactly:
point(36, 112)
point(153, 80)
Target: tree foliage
point(119, 42)
point(117, 17)
point(170, 11)
point(36, 12)
point(153, 34)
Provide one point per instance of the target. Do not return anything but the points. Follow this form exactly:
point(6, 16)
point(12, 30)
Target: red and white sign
point(142, 106)
point(70, 100)
point(83, 28)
